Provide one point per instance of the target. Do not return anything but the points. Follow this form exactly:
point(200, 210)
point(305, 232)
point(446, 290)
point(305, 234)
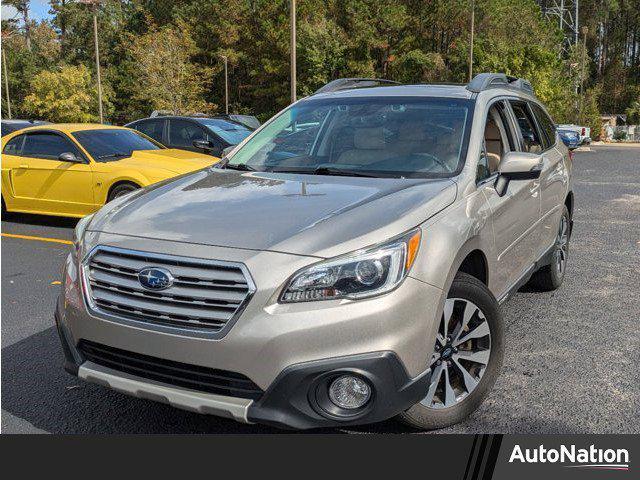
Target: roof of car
point(71, 127)
point(427, 90)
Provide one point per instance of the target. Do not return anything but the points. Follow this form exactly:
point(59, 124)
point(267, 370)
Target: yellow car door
point(52, 176)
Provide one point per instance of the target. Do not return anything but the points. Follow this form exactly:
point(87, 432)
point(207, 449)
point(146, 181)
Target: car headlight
point(78, 234)
point(360, 274)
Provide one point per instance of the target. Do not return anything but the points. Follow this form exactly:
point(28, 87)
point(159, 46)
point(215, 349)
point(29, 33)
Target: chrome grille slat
point(198, 293)
point(206, 296)
point(97, 287)
point(206, 274)
point(180, 281)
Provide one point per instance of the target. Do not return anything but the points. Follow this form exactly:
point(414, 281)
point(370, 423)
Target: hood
point(171, 159)
point(310, 215)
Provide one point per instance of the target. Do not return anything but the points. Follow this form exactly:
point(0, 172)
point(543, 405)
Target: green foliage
point(67, 94)
point(619, 135)
point(633, 113)
point(165, 74)
point(167, 54)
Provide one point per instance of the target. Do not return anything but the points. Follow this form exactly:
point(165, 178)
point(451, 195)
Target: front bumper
point(291, 400)
point(281, 348)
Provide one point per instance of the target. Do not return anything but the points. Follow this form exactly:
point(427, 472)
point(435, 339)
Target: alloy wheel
point(562, 245)
point(461, 354)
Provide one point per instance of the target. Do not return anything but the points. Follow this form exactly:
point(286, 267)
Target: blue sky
point(39, 10)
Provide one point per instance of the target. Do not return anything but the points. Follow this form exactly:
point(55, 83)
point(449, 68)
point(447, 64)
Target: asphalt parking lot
point(572, 355)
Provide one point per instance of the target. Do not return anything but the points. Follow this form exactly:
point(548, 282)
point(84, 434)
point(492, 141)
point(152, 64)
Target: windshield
point(113, 144)
point(231, 132)
point(374, 136)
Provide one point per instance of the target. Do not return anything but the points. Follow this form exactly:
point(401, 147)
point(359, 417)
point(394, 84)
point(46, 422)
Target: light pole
point(473, 20)
point(226, 85)
point(6, 83)
point(94, 4)
point(584, 31)
point(293, 51)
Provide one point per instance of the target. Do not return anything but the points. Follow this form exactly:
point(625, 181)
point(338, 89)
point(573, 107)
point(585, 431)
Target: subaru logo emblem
point(154, 278)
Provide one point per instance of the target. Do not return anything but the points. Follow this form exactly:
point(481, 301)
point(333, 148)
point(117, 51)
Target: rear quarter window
point(14, 146)
point(546, 125)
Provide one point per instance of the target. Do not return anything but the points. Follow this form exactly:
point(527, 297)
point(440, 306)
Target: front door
point(44, 184)
point(516, 214)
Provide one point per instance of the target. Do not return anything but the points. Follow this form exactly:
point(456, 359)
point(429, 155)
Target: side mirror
point(517, 166)
point(69, 157)
point(203, 144)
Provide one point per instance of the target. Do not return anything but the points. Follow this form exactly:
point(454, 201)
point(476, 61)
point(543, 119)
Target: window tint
point(47, 145)
point(151, 128)
point(231, 132)
point(14, 146)
point(530, 137)
point(546, 124)
point(182, 133)
point(113, 143)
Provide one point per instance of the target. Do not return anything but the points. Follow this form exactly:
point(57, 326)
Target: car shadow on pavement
point(36, 389)
point(40, 220)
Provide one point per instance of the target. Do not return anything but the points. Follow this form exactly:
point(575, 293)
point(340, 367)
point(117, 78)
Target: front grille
point(193, 377)
point(205, 296)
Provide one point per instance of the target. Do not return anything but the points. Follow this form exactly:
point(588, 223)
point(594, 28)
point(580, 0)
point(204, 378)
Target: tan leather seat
point(368, 148)
point(493, 143)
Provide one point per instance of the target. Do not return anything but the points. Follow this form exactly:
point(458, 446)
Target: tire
point(550, 276)
point(121, 189)
point(438, 409)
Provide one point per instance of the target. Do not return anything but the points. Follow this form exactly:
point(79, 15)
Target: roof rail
point(485, 81)
point(346, 83)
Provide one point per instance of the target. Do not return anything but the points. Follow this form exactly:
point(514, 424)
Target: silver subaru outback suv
point(343, 265)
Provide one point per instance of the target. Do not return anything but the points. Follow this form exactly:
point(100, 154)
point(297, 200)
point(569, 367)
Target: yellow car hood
point(171, 159)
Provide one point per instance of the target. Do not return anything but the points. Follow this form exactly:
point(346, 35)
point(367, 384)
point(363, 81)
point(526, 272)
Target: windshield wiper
point(324, 170)
point(243, 167)
point(114, 155)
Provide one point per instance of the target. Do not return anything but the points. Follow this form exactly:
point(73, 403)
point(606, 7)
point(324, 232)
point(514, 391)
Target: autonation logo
point(592, 457)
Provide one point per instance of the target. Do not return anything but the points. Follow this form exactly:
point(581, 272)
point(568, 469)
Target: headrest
point(369, 138)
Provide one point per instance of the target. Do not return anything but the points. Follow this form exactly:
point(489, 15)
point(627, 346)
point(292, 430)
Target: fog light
point(349, 392)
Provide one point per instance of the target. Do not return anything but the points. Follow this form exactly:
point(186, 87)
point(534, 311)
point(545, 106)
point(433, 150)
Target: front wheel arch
point(117, 185)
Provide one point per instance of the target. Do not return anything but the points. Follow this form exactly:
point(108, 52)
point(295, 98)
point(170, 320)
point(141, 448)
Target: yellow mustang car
point(71, 170)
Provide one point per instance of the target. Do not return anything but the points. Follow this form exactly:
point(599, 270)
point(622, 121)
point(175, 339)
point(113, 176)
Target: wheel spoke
point(469, 310)
point(481, 356)
point(480, 331)
point(446, 316)
point(469, 382)
point(449, 393)
point(435, 380)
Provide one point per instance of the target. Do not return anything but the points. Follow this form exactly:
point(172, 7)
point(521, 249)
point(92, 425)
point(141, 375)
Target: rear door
point(42, 183)
point(553, 179)
point(153, 128)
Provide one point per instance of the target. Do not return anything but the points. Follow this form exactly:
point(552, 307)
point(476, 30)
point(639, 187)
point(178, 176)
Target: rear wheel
point(467, 357)
point(550, 276)
point(121, 189)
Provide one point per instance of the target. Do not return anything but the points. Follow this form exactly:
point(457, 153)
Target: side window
point(531, 140)
point(497, 141)
point(151, 128)
point(546, 124)
point(47, 145)
point(14, 146)
point(182, 133)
